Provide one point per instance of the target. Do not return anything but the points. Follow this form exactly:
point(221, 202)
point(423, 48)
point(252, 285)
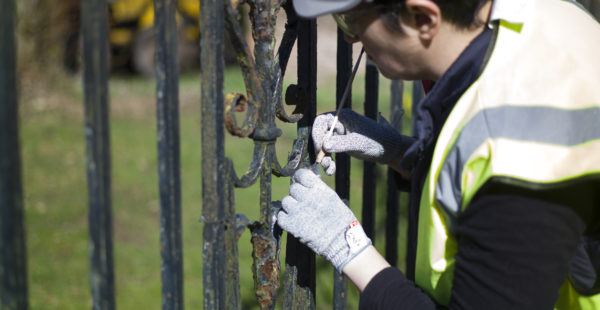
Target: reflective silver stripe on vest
point(536, 124)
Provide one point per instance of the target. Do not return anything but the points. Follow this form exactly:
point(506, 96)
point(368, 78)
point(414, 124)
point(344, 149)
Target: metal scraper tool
point(340, 106)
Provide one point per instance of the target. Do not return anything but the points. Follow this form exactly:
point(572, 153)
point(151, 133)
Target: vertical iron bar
point(299, 277)
point(95, 79)
point(13, 264)
point(413, 214)
point(342, 160)
point(266, 264)
point(370, 172)
point(167, 108)
point(232, 276)
point(213, 153)
point(265, 239)
point(391, 219)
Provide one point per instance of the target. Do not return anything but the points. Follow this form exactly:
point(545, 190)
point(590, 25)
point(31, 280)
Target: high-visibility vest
point(532, 117)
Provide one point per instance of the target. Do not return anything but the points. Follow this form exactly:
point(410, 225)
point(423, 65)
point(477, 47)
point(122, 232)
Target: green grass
point(55, 193)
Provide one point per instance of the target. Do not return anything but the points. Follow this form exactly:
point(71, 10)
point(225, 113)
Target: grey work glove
point(315, 215)
point(359, 136)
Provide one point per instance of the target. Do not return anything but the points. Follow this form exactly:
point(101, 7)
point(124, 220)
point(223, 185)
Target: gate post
point(169, 170)
point(214, 174)
point(13, 264)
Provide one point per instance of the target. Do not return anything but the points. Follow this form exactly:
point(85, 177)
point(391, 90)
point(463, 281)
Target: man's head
point(407, 39)
point(462, 13)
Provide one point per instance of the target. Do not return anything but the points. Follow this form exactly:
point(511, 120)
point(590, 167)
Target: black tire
point(144, 48)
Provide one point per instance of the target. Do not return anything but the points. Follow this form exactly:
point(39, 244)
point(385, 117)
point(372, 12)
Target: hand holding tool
point(321, 153)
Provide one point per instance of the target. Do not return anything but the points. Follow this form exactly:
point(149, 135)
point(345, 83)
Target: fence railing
point(262, 102)
point(13, 274)
point(263, 69)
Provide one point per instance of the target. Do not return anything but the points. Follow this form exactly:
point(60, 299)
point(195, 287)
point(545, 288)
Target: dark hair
point(461, 13)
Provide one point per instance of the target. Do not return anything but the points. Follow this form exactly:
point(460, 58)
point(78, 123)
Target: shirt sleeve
point(390, 289)
point(513, 253)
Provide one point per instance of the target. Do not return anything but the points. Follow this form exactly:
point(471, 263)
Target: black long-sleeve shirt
point(514, 252)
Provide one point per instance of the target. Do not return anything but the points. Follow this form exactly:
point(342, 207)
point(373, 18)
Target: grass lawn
point(55, 192)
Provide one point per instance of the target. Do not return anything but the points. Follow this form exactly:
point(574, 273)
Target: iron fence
point(13, 274)
point(262, 103)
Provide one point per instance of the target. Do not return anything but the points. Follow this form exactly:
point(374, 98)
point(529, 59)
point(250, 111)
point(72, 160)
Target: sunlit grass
point(55, 192)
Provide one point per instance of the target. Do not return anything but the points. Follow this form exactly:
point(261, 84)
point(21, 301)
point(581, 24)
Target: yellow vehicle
point(131, 34)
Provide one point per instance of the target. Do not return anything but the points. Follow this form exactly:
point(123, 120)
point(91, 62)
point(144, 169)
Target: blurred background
point(53, 159)
point(53, 154)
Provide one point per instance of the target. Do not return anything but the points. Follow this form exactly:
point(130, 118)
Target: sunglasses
point(346, 19)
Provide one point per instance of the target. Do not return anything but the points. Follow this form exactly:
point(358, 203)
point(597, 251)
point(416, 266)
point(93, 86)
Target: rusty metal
point(214, 175)
point(263, 74)
point(238, 103)
point(13, 264)
point(266, 264)
point(263, 71)
point(95, 79)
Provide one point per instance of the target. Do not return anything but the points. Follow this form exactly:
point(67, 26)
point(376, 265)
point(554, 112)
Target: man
point(504, 167)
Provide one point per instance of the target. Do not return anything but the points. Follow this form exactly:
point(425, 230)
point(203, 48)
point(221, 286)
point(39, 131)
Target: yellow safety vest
point(533, 117)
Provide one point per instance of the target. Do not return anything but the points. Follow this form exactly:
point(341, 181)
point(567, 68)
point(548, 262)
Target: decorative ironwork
point(263, 72)
point(263, 69)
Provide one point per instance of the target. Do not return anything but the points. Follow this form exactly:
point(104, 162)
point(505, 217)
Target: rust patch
point(260, 245)
point(237, 103)
point(271, 269)
point(266, 267)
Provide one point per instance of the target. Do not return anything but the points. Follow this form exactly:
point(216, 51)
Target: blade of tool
point(315, 167)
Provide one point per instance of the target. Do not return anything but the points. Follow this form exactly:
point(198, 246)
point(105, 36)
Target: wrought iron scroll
point(13, 264)
point(167, 108)
point(263, 70)
point(95, 78)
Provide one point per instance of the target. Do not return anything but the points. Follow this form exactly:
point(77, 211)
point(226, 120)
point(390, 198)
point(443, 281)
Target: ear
point(426, 16)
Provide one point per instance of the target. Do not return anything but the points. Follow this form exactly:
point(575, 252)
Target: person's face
point(397, 54)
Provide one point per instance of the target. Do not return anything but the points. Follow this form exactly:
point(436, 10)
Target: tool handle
point(321, 154)
point(329, 134)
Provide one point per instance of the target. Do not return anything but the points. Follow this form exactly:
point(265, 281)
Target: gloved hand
point(317, 216)
point(359, 136)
